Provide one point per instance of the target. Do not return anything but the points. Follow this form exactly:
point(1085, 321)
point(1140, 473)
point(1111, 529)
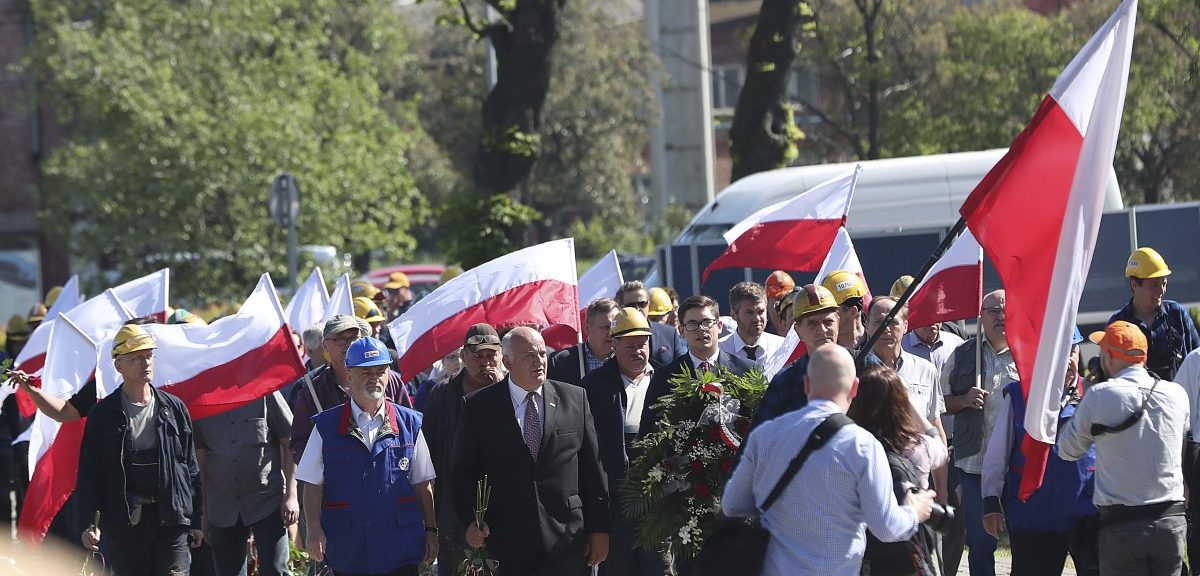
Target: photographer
point(845, 484)
point(1058, 517)
point(1137, 423)
point(882, 408)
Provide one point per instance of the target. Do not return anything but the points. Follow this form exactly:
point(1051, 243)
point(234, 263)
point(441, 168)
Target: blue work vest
point(1066, 492)
point(369, 512)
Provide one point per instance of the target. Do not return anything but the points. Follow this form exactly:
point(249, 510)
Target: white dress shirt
point(519, 397)
point(767, 344)
point(312, 463)
point(712, 361)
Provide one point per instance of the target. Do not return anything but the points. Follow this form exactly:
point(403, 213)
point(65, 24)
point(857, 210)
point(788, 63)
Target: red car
point(423, 278)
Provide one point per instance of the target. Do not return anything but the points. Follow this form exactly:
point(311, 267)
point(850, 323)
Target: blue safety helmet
point(1077, 337)
point(366, 352)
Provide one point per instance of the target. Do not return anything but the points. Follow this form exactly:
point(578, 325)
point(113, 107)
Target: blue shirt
point(818, 523)
point(1171, 336)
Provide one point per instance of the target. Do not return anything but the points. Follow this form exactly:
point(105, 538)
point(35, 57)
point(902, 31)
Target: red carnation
point(702, 490)
point(714, 434)
point(697, 467)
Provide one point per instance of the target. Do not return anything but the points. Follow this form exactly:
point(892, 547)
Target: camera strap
point(819, 437)
point(1099, 429)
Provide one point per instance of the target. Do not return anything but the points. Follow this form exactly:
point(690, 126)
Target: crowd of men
point(372, 472)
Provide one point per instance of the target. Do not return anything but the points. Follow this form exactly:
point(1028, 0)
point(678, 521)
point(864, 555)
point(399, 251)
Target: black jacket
point(607, 400)
point(541, 509)
point(101, 481)
point(665, 343)
point(567, 365)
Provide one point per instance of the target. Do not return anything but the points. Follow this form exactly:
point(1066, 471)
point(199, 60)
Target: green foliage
point(594, 124)
point(675, 484)
point(180, 116)
point(479, 228)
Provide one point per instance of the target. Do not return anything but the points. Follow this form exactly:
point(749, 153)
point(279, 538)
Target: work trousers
point(150, 549)
point(1152, 547)
point(270, 540)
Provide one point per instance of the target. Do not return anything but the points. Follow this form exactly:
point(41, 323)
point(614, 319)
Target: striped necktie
point(533, 425)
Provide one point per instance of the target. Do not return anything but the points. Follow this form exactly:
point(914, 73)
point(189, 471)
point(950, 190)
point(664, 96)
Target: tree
point(590, 139)
point(179, 117)
point(764, 133)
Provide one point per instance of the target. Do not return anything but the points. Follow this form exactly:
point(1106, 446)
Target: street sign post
point(283, 203)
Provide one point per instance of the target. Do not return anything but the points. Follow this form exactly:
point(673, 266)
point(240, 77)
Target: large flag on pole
point(308, 304)
point(794, 234)
point(841, 257)
point(33, 355)
point(1037, 214)
point(533, 286)
point(342, 300)
point(602, 280)
point(953, 288)
point(71, 360)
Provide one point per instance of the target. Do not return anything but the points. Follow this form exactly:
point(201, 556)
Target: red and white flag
point(841, 257)
point(308, 304)
point(71, 360)
point(534, 286)
point(33, 355)
point(953, 288)
point(795, 234)
point(1037, 214)
point(342, 300)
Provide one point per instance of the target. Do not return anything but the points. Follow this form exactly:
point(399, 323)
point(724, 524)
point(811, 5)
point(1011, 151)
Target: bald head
point(831, 375)
point(525, 356)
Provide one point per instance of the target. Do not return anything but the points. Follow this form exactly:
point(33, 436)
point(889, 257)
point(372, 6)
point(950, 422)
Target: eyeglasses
point(639, 304)
point(703, 325)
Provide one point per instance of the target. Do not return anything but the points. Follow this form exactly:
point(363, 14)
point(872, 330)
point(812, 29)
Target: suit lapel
point(550, 400)
point(508, 417)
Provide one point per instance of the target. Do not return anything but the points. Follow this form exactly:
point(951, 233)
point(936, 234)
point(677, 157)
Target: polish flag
point(33, 355)
point(308, 304)
point(794, 234)
point(71, 360)
point(534, 286)
point(841, 257)
point(1037, 214)
point(602, 280)
point(953, 288)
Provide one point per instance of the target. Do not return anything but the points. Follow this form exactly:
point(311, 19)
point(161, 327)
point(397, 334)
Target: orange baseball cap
point(779, 283)
point(1123, 340)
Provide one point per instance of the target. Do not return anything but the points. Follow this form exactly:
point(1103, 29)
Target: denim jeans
point(981, 547)
point(1154, 547)
point(270, 540)
point(149, 549)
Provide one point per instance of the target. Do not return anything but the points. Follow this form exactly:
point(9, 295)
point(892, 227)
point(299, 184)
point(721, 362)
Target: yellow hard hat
point(18, 328)
point(629, 322)
point(132, 338)
point(784, 306)
point(37, 313)
point(844, 285)
point(397, 280)
point(660, 302)
point(52, 295)
point(810, 299)
point(900, 285)
point(364, 289)
point(367, 310)
point(1146, 263)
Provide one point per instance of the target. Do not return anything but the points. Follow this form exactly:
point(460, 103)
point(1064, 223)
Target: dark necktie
point(751, 352)
point(704, 367)
point(533, 425)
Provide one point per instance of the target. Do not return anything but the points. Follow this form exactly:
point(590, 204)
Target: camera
point(940, 516)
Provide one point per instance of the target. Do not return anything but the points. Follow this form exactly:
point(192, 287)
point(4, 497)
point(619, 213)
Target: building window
point(726, 85)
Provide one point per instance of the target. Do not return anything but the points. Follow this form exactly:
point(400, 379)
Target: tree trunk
point(512, 113)
point(762, 136)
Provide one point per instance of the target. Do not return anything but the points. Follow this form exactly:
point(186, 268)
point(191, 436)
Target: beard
point(374, 394)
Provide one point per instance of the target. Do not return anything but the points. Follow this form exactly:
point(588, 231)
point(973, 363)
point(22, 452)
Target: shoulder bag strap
point(824, 431)
point(1099, 429)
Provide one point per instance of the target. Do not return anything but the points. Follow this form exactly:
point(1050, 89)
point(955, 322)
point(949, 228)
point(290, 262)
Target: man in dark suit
point(665, 341)
point(615, 393)
point(699, 324)
point(534, 440)
point(570, 365)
